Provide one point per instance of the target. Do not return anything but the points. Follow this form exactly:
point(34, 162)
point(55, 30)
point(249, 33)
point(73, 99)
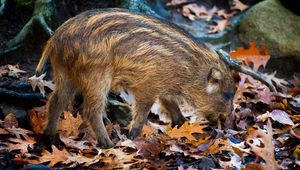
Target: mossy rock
point(271, 24)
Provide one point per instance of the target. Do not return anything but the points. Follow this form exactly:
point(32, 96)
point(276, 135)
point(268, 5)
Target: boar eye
point(228, 96)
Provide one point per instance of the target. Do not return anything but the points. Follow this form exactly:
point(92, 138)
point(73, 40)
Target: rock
point(271, 24)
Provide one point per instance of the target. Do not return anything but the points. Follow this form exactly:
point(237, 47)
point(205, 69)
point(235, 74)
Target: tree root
point(140, 6)
point(42, 16)
point(236, 65)
point(3, 4)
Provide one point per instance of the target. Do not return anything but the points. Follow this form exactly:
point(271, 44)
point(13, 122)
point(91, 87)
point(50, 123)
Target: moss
point(272, 24)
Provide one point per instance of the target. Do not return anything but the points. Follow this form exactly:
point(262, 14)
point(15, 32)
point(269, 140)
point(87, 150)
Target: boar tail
point(44, 62)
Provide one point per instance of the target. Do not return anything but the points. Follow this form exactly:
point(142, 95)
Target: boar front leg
point(140, 111)
point(58, 102)
point(172, 110)
point(94, 103)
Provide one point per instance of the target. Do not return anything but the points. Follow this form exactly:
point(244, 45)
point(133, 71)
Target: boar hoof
point(133, 133)
point(105, 144)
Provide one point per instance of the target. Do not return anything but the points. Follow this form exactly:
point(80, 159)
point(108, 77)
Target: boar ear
point(213, 80)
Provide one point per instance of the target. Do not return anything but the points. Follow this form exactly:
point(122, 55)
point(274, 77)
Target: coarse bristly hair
point(113, 49)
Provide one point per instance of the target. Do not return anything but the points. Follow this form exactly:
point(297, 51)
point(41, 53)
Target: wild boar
point(114, 50)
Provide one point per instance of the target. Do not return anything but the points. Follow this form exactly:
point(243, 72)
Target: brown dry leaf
point(10, 121)
point(193, 11)
point(72, 143)
point(219, 27)
point(147, 130)
point(186, 130)
point(271, 77)
point(259, 57)
point(261, 144)
point(282, 117)
point(40, 83)
point(277, 115)
point(236, 4)
point(37, 118)
point(18, 132)
point(224, 14)
point(20, 144)
point(265, 96)
point(79, 159)
point(3, 132)
point(11, 71)
point(70, 124)
point(121, 160)
point(175, 2)
point(55, 157)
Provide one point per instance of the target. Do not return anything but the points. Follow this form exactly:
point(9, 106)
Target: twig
point(236, 65)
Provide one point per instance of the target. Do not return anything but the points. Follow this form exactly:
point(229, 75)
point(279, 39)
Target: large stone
point(271, 24)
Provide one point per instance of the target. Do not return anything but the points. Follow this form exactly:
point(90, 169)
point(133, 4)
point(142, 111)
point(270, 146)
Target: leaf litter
point(264, 132)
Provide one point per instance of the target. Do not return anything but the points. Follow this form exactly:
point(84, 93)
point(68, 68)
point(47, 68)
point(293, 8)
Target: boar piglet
point(114, 50)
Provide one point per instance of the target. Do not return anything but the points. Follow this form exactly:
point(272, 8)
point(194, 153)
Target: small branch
point(236, 65)
point(3, 4)
point(180, 4)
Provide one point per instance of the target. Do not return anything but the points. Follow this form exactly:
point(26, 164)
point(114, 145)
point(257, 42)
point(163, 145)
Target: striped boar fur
point(112, 50)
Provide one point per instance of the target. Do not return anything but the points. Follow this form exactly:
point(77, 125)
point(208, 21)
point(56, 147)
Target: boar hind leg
point(172, 110)
point(140, 111)
point(58, 102)
point(94, 102)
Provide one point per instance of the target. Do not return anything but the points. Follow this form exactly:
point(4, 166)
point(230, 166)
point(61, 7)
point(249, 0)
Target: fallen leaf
point(236, 4)
point(279, 82)
point(221, 25)
point(11, 71)
point(10, 121)
point(193, 11)
point(20, 144)
point(70, 124)
point(259, 57)
point(55, 157)
point(261, 144)
point(40, 83)
point(186, 130)
point(37, 119)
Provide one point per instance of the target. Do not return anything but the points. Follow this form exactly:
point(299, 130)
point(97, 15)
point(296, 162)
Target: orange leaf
point(37, 118)
point(259, 57)
point(55, 157)
point(70, 123)
point(186, 130)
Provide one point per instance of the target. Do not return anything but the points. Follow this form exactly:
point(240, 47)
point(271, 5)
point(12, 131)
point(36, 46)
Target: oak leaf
point(186, 130)
point(37, 118)
point(55, 157)
point(237, 4)
point(259, 57)
point(69, 123)
point(221, 25)
point(11, 71)
point(20, 144)
point(40, 83)
point(261, 144)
